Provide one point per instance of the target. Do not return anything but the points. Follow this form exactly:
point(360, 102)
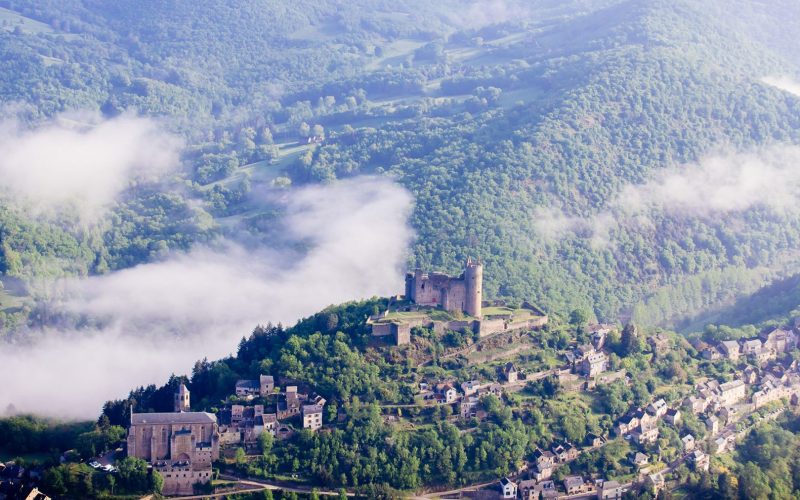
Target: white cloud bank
point(82, 165)
point(159, 318)
point(480, 13)
point(719, 184)
point(785, 83)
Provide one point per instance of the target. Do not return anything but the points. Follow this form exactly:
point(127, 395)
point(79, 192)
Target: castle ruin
point(463, 293)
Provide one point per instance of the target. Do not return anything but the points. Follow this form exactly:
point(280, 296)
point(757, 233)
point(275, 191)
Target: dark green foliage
point(30, 434)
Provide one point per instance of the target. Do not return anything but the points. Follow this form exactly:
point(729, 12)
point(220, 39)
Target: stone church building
point(181, 446)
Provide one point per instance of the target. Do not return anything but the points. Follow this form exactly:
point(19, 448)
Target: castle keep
point(428, 291)
point(451, 294)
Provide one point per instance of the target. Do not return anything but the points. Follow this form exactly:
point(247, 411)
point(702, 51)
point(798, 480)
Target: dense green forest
point(500, 122)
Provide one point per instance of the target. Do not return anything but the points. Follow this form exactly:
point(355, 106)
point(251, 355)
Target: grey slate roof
point(173, 418)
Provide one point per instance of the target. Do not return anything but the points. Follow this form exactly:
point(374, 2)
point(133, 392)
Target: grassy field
point(10, 21)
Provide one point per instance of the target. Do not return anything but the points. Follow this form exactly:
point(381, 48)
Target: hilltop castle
point(463, 293)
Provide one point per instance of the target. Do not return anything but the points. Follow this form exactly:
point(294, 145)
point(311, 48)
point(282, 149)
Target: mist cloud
point(785, 83)
point(720, 184)
point(159, 318)
point(480, 13)
point(81, 164)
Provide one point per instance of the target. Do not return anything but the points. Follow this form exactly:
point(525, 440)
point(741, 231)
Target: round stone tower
point(473, 276)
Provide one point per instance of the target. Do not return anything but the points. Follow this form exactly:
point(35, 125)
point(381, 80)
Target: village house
point(574, 485)
point(777, 340)
point(599, 334)
point(545, 462)
point(770, 392)
point(673, 417)
point(645, 433)
point(565, 452)
point(611, 490)
point(751, 347)
point(711, 353)
point(730, 349)
point(469, 407)
point(627, 424)
point(750, 375)
point(508, 488)
point(699, 461)
point(593, 440)
point(510, 373)
point(688, 443)
point(248, 388)
point(712, 424)
point(594, 364)
point(695, 404)
point(493, 389)
point(292, 403)
point(312, 417)
point(240, 423)
point(266, 422)
point(525, 487)
point(640, 460)
point(720, 445)
point(445, 393)
point(545, 489)
point(655, 483)
point(728, 414)
point(732, 392)
point(657, 408)
point(470, 387)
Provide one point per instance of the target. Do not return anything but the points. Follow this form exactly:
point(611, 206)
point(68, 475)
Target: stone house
point(699, 461)
point(688, 442)
point(469, 407)
point(248, 388)
point(611, 490)
point(712, 424)
point(645, 433)
point(510, 373)
point(312, 417)
point(731, 392)
point(640, 459)
point(594, 364)
point(470, 387)
point(574, 485)
point(673, 417)
point(730, 349)
point(445, 393)
point(657, 408)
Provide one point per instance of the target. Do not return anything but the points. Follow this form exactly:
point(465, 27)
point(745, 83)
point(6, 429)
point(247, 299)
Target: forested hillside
point(520, 128)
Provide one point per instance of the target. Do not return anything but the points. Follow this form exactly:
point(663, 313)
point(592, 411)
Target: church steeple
point(182, 399)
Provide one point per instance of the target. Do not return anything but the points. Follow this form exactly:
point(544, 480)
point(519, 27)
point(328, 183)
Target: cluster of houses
point(762, 349)
point(469, 398)
point(532, 489)
point(240, 424)
point(641, 424)
point(18, 482)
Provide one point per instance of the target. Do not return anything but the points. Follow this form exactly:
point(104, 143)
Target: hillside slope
point(520, 129)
